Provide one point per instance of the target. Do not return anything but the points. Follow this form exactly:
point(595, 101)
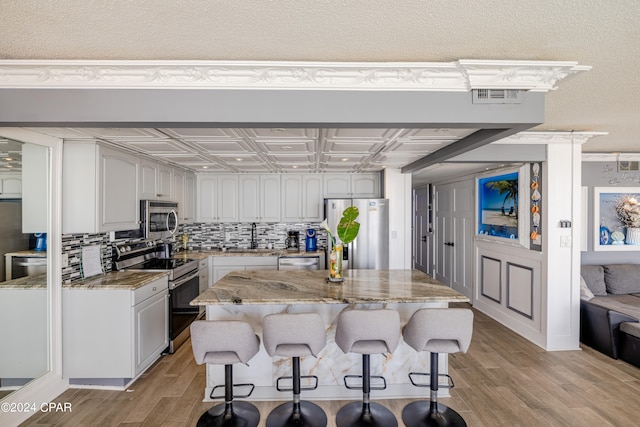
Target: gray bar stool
point(295, 335)
point(367, 332)
point(436, 330)
point(225, 342)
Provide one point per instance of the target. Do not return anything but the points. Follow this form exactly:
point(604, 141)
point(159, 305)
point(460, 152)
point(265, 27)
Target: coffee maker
point(293, 241)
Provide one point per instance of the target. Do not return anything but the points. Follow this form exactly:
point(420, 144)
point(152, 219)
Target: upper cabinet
point(277, 198)
point(189, 207)
point(184, 184)
point(259, 199)
point(35, 188)
point(346, 186)
point(156, 181)
point(217, 199)
point(302, 198)
point(99, 189)
point(10, 186)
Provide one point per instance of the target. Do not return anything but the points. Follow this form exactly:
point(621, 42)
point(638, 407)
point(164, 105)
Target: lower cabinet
point(227, 264)
point(113, 333)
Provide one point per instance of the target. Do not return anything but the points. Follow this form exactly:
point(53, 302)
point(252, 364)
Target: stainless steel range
point(184, 286)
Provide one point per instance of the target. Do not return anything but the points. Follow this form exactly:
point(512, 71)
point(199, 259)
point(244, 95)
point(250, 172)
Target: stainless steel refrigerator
point(370, 250)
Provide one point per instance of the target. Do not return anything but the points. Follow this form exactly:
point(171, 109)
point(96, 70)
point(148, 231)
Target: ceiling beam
point(475, 140)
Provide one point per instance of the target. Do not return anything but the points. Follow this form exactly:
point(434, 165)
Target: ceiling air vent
point(497, 96)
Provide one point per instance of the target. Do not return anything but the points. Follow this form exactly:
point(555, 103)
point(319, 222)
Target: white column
point(397, 188)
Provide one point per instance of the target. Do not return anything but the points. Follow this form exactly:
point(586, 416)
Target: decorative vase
point(633, 236)
point(335, 264)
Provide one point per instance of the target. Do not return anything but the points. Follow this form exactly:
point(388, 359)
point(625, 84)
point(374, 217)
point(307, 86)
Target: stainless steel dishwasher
point(294, 262)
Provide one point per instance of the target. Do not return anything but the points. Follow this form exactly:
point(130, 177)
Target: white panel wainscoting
point(520, 289)
point(509, 288)
point(491, 278)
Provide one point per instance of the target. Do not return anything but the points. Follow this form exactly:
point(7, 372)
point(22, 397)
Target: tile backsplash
point(202, 236)
point(238, 235)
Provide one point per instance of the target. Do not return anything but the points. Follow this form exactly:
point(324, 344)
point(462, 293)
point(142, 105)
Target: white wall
point(397, 188)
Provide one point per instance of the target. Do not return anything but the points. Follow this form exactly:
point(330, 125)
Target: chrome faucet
point(254, 242)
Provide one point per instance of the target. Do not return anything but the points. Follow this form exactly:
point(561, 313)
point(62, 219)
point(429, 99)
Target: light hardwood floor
point(503, 380)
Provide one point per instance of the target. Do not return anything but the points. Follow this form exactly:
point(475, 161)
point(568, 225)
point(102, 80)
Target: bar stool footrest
point(242, 396)
point(449, 384)
point(302, 377)
point(378, 387)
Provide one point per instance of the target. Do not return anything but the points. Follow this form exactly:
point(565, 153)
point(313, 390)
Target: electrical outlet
point(65, 260)
point(565, 241)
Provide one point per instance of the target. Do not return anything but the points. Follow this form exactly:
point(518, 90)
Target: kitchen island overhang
point(251, 295)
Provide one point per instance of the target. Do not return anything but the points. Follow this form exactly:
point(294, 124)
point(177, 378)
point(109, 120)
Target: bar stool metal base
point(419, 414)
point(310, 415)
point(356, 414)
point(244, 414)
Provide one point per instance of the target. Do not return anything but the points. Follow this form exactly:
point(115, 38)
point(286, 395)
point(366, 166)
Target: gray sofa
point(610, 310)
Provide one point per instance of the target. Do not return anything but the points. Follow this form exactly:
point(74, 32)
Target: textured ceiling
point(605, 35)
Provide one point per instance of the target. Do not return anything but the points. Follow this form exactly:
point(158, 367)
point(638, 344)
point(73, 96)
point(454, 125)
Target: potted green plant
point(347, 232)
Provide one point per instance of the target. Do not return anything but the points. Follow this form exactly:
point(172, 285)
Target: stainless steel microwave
point(158, 219)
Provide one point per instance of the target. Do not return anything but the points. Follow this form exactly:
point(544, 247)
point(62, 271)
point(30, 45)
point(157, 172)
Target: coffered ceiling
point(262, 150)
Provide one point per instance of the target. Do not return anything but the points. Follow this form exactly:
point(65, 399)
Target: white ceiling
point(605, 35)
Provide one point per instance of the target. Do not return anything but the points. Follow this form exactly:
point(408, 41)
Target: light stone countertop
point(311, 287)
point(122, 280)
point(37, 281)
point(29, 253)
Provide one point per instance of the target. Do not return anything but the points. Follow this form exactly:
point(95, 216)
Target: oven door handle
point(182, 281)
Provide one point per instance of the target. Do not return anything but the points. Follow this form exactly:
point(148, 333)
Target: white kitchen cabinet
point(259, 198)
point(114, 333)
point(35, 188)
point(189, 207)
point(99, 189)
point(156, 181)
point(10, 186)
point(302, 199)
point(25, 335)
point(184, 193)
point(312, 198)
point(351, 185)
point(178, 191)
point(217, 199)
point(291, 198)
point(226, 264)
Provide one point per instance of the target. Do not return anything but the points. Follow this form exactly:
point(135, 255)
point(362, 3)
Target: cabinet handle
point(154, 288)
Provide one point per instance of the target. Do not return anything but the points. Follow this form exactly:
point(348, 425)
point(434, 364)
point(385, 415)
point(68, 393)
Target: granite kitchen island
point(251, 295)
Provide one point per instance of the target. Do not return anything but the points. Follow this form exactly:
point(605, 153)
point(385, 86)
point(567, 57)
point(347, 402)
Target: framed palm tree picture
point(499, 205)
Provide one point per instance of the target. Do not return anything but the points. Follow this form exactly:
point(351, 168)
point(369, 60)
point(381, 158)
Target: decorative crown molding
point(549, 137)
point(536, 76)
point(610, 157)
point(462, 75)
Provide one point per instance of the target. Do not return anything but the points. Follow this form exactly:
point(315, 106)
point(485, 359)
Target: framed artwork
point(501, 211)
point(616, 218)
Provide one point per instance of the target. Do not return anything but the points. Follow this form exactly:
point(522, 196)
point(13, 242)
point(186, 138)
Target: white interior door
point(454, 211)
point(443, 234)
point(462, 213)
point(422, 236)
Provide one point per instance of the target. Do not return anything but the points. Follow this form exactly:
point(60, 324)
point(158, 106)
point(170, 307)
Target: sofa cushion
point(622, 278)
point(585, 292)
point(631, 328)
point(626, 304)
point(594, 277)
